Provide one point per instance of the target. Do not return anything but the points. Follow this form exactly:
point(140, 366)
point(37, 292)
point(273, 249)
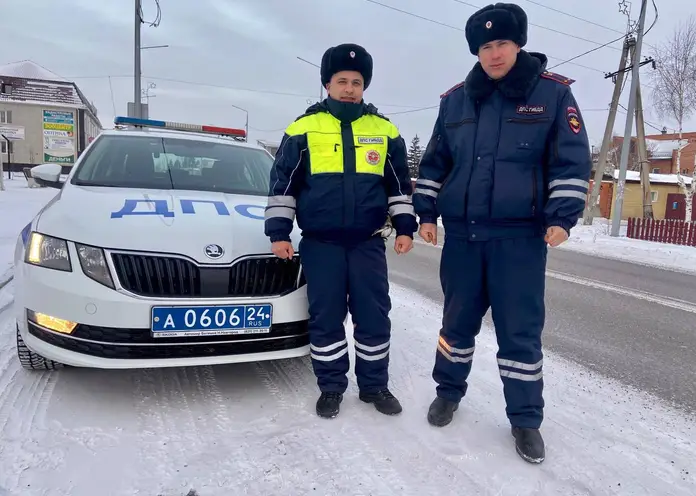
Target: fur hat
point(502, 21)
point(346, 57)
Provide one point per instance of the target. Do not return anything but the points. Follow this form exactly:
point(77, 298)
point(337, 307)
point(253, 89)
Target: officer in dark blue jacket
point(341, 168)
point(507, 169)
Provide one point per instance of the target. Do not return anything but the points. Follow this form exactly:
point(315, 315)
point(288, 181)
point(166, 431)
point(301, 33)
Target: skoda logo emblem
point(214, 251)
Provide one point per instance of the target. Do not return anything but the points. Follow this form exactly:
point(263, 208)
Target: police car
point(153, 254)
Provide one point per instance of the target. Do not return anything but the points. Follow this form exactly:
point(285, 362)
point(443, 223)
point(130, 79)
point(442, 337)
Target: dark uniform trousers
point(340, 278)
point(507, 276)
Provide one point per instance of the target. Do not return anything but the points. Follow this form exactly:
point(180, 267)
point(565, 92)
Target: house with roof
point(668, 200)
point(43, 117)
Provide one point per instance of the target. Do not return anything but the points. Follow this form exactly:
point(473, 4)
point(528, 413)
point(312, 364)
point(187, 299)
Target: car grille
point(136, 343)
point(172, 277)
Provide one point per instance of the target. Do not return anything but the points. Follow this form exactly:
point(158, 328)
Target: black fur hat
point(346, 57)
point(502, 21)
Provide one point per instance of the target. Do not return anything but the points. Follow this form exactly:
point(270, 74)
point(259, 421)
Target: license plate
point(176, 321)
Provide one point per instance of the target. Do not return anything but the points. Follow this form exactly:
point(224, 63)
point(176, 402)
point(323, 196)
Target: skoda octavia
point(152, 254)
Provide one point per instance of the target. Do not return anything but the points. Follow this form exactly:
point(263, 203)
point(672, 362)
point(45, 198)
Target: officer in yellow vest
point(341, 171)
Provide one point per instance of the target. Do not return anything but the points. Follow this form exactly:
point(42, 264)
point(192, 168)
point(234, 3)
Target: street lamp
point(321, 87)
point(246, 125)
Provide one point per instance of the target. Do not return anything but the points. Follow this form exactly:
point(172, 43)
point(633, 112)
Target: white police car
point(153, 255)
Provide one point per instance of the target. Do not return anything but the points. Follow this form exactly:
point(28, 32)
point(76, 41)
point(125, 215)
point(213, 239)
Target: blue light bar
point(179, 126)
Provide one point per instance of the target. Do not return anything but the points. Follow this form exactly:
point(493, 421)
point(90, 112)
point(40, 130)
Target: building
point(667, 198)
point(271, 146)
point(662, 153)
point(47, 118)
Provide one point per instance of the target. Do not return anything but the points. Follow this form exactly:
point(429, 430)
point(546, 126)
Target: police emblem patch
point(489, 25)
point(531, 109)
point(372, 157)
point(352, 55)
point(573, 119)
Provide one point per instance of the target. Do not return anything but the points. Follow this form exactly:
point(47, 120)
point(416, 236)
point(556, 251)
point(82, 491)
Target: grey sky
point(253, 44)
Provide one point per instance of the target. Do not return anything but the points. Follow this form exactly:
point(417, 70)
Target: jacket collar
point(323, 106)
point(517, 84)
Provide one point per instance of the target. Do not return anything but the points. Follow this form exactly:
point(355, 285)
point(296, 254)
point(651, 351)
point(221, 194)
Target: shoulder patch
point(453, 88)
point(557, 77)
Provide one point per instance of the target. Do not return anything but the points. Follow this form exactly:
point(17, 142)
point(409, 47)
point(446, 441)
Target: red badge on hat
point(573, 119)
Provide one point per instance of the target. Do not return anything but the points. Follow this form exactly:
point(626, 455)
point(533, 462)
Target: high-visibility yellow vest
point(325, 143)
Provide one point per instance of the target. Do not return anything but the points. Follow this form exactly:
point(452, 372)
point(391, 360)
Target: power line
point(222, 86)
point(439, 23)
point(544, 27)
point(587, 52)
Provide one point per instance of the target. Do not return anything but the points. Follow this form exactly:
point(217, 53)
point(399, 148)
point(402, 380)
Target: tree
point(674, 93)
point(413, 157)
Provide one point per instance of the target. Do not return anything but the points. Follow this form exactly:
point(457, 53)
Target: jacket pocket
point(460, 122)
point(515, 191)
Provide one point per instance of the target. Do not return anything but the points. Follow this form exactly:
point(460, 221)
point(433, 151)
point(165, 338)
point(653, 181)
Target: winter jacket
point(341, 179)
point(507, 158)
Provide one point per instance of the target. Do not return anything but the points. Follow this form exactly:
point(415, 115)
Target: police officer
point(507, 169)
point(341, 169)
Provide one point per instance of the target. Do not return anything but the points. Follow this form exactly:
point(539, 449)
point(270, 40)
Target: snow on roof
point(662, 149)
point(27, 69)
point(654, 178)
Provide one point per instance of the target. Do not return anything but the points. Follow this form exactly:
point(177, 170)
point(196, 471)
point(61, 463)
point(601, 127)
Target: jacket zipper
point(534, 191)
point(528, 121)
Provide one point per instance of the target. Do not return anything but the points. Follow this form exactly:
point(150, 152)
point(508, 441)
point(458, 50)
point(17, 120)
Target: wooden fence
point(677, 232)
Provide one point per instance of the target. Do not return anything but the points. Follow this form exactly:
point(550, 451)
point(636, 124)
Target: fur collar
point(517, 84)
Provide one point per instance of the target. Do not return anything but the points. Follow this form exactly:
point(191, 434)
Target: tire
point(33, 361)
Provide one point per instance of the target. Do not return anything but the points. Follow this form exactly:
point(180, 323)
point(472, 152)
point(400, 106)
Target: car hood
point(181, 222)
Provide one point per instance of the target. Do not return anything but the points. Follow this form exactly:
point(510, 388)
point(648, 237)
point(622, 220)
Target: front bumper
point(114, 326)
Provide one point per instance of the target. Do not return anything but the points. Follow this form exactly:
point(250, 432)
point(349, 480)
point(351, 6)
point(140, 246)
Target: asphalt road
point(629, 322)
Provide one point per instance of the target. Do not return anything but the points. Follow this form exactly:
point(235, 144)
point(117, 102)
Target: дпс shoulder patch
point(557, 77)
point(455, 87)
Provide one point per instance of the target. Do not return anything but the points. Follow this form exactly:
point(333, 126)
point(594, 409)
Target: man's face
point(498, 57)
point(346, 86)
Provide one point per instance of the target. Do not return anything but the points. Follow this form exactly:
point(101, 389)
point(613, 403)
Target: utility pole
point(643, 158)
point(137, 95)
point(608, 131)
point(625, 149)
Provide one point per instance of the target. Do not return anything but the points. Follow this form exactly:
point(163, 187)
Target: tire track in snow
point(154, 460)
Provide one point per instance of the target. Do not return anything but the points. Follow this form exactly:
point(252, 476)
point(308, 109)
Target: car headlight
point(93, 262)
point(47, 251)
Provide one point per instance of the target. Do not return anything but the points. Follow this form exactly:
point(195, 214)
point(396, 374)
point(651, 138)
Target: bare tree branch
point(674, 92)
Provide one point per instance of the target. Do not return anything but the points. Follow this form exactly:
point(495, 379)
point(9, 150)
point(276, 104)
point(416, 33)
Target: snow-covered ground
point(251, 428)
point(596, 240)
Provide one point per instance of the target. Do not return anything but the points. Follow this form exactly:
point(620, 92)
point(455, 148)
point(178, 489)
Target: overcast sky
point(243, 53)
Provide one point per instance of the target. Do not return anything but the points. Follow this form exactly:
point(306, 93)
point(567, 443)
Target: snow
point(596, 240)
point(26, 69)
point(251, 428)
point(18, 205)
point(655, 178)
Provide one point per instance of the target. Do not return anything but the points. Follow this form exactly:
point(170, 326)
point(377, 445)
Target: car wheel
point(33, 361)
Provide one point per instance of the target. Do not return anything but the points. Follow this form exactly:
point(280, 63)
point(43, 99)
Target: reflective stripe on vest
point(371, 136)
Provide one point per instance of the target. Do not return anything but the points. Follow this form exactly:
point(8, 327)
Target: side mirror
point(48, 175)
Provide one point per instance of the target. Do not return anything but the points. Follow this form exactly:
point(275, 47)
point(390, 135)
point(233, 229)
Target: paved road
point(633, 323)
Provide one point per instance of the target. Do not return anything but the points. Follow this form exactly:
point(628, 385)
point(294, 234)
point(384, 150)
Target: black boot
point(529, 444)
point(328, 404)
point(384, 401)
point(441, 412)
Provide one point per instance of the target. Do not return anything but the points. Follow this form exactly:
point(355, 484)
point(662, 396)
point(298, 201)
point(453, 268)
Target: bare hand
point(429, 233)
point(556, 236)
point(282, 249)
point(403, 244)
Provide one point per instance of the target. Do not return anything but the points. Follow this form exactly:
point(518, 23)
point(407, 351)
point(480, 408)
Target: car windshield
point(171, 163)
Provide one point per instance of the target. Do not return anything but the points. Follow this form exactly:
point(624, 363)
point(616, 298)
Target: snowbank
point(18, 205)
point(596, 240)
